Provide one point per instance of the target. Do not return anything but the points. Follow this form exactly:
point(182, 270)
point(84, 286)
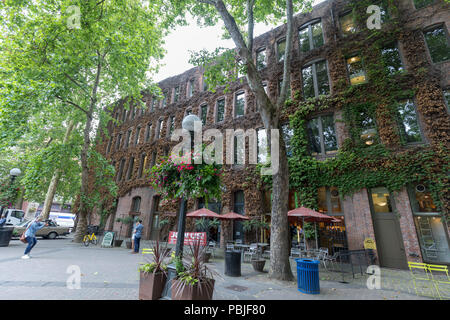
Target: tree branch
point(73, 104)
point(76, 83)
point(251, 24)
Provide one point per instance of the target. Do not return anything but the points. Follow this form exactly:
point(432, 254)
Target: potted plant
point(309, 234)
point(195, 280)
point(125, 220)
point(257, 261)
point(205, 225)
point(153, 275)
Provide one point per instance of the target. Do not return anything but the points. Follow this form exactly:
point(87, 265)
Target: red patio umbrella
point(309, 215)
point(203, 213)
point(233, 216)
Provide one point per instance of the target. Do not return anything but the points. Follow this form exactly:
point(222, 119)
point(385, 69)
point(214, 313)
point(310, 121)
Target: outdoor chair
point(238, 241)
point(442, 286)
point(266, 254)
point(295, 253)
point(331, 259)
point(421, 275)
point(145, 251)
point(250, 252)
point(211, 248)
point(230, 247)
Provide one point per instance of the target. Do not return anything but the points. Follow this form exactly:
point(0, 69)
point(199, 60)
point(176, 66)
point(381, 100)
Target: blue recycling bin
point(308, 276)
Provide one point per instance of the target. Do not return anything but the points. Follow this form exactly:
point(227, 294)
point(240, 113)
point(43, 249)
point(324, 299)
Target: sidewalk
point(112, 273)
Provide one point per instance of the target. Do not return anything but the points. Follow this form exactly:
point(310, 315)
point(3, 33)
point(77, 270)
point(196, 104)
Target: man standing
point(137, 236)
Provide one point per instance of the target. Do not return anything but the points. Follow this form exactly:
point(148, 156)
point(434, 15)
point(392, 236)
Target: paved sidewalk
point(112, 273)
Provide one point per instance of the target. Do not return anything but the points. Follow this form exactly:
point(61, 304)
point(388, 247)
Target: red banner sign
point(189, 238)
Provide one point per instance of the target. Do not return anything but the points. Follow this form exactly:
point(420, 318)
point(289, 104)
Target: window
point(239, 105)
point(315, 80)
point(280, 84)
point(133, 113)
point(149, 132)
point(127, 141)
point(160, 129)
point(176, 94)
point(447, 98)
point(433, 237)
point(423, 3)
point(437, 43)
point(381, 200)
point(262, 145)
point(154, 104)
point(261, 62)
point(391, 59)
point(153, 159)
point(408, 122)
point(322, 135)
point(130, 168)
point(190, 90)
point(310, 36)
point(143, 165)
point(367, 127)
point(171, 125)
point(239, 149)
point(108, 148)
point(348, 24)
point(281, 49)
point(124, 115)
point(164, 101)
point(329, 201)
point(137, 137)
point(287, 133)
point(120, 173)
point(136, 204)
point(204, 113)
point(119, 141)
point(356, 70)
point(220, 113)
point(238, 207)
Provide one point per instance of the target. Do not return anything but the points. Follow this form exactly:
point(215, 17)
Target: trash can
point(308, 276)
point(5, 235)
point(233, 263)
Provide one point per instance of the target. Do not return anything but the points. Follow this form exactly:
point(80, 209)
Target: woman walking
point(30, 235)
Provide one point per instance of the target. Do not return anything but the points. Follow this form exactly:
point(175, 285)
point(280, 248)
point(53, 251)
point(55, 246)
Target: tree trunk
point(55, 179)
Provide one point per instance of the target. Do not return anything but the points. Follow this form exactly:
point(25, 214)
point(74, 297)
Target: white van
point(63, 219)
point(13, 216)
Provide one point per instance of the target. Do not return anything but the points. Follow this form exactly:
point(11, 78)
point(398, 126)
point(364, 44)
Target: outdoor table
point(242, 248)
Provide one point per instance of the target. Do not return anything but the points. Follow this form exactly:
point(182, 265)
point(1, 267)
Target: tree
point(84, 54)
point(237, 14)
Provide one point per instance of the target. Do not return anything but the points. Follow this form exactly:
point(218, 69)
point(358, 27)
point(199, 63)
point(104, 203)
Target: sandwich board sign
point(108, 239)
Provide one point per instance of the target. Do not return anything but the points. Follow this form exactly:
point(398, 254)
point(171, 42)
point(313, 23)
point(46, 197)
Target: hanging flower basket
point(176, 177)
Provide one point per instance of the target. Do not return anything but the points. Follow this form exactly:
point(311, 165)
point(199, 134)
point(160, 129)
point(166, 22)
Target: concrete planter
point(129, 244)
point(151, 285)
point(258, 264)
point(186, 292)
point(118, 243)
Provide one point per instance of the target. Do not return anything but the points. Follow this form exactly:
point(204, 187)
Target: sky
point(193, 38)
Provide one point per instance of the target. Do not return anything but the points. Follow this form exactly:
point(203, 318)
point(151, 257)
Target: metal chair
point(438, 283)
point(211, 248)
point(229, 247)
point(295, 253)
point(238, 241)
point(250, 252)
point(419, 272)
point(266, 254)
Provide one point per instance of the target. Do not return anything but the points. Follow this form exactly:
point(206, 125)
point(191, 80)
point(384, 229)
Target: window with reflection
point(322, 135)
point(130, 168)
point(239, 104)
point(356, 70)
point(437, 40)
point(171, 125)
point(220, 114)
point(128, 139)
point(281, 49)
point(176, 94)
point(381, 200)
point(136, 204)
point(348, 24)
point(310, 36)
point(421, 198)
point(261, 61)
point(315, 80)
point(329, 201)
point(391, 59)
point(408, 122)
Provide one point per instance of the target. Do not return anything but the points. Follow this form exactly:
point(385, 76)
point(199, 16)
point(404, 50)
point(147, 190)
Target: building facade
point(338, 61)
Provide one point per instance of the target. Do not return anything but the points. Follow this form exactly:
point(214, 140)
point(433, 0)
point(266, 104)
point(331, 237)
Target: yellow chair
point(145, 251)
point(419, 272)
point(440, 270)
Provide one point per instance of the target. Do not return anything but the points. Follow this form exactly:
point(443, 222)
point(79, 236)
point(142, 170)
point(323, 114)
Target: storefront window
point(329, 201)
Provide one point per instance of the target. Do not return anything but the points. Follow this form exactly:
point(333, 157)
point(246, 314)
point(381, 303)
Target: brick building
point(330, 55)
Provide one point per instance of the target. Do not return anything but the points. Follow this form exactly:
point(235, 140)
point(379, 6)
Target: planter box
point(118, 243)
point(258, 264)
point(128, 244)
point(151, 285)
point(203, 292)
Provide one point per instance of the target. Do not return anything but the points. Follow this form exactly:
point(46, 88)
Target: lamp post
point(187, 124)
point(14, 173)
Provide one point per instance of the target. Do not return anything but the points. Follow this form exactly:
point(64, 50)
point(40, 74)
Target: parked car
point(52, 231)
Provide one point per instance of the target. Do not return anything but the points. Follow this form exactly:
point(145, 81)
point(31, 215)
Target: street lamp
point(187, 124)
point(14, 173)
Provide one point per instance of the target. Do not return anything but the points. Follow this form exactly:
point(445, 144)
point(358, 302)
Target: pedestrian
point(137, 236)
point(2, 221)
point(30, 235)
point(132, 237)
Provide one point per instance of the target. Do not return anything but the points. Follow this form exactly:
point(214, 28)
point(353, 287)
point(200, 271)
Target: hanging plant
point(175, 178)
